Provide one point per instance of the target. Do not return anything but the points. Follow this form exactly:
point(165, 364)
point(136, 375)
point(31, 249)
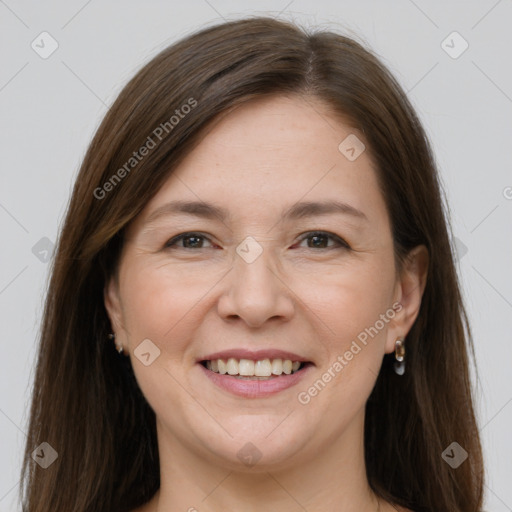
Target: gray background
point(50, 108)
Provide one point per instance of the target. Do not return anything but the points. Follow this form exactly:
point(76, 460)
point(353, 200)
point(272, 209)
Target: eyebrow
point(297, 211)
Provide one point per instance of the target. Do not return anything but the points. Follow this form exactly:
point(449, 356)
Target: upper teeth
point(248, 367)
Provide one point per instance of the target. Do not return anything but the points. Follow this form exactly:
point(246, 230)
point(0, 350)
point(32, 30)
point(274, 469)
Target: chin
point(259, 445)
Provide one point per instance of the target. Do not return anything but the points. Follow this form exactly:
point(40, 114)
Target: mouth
point(248, 369)
point(254, 374)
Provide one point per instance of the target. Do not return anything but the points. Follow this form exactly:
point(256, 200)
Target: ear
point(114, 308)
point(409, 290)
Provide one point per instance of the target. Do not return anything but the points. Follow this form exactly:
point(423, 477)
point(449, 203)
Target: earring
point(399, 364)
point(119, 346)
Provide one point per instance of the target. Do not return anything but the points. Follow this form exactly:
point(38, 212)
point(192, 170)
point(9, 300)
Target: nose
point(255, 291)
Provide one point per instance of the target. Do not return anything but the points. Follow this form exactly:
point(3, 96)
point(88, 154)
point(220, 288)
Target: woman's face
point(268, 274)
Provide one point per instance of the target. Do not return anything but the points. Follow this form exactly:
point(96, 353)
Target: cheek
point(353, 310)
point(348, 300)
point(167, 303)
point(157, 302)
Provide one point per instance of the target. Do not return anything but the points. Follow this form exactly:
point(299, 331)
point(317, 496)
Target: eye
point(194, 238)
point(320, 238)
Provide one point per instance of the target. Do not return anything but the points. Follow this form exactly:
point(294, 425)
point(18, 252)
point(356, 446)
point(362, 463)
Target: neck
point(335, 480)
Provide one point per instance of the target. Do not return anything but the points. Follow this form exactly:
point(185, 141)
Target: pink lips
point(254, 388)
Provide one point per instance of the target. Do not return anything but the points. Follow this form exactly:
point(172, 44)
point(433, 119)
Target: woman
point(258, 229)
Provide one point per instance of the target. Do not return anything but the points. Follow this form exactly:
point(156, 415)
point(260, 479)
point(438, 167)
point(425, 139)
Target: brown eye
point(320, 239)
point(191, 241)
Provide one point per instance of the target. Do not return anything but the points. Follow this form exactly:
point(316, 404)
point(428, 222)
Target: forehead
point(269, 129)
point(272, 152)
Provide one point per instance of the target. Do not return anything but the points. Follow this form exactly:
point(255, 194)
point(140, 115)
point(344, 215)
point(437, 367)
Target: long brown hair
point(86, 403)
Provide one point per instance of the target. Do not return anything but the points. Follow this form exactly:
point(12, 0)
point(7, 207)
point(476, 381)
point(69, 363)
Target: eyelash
point(341, 243)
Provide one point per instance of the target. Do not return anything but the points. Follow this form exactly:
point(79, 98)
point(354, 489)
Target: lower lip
point(255, 388)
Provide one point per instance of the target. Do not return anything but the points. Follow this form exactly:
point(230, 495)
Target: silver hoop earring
point(399, 364)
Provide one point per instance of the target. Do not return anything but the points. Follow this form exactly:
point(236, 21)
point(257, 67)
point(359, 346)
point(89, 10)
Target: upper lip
point(254, 355)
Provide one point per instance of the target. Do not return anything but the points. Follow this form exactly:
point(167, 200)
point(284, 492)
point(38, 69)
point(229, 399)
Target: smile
point(252, 374)
point(246, 368)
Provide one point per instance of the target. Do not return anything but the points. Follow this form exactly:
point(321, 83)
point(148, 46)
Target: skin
point(192, 300)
